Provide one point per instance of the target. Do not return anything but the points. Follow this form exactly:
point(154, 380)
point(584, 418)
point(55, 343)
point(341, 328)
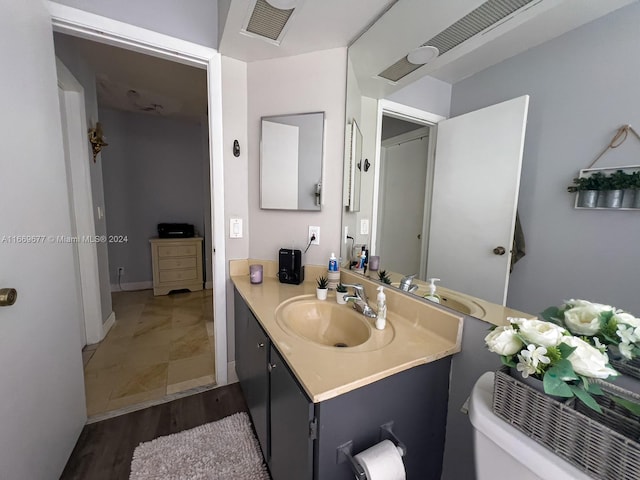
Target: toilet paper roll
point(382, 462)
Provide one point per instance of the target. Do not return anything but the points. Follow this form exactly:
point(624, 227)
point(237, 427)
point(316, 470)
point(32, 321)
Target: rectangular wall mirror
point(291, 153)
point(355, 170)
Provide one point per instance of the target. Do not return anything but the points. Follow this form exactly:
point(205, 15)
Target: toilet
point(502, 452)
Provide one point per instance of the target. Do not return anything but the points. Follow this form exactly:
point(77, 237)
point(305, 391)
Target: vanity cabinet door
point(252, 355)
point(292, 414)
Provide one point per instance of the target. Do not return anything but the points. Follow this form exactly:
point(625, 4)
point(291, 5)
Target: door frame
point(415, 115)
point(78, 23)
point(79, 186)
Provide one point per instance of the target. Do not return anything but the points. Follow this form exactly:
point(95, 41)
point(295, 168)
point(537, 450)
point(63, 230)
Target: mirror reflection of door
point(475, 195)
point(402, 192)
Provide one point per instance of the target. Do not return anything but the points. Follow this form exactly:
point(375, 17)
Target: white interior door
point(43, 405)
point(477, 166)
point(401, 209)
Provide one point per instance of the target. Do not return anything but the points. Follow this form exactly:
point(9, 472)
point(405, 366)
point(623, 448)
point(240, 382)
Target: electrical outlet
point(314, 231)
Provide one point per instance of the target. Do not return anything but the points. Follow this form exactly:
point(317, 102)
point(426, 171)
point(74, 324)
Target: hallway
point(159, 346)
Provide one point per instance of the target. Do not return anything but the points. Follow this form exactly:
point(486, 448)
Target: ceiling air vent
point(483, 17)
point(267, 22)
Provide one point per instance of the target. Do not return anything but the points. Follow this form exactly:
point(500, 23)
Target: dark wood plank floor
point(105, 449)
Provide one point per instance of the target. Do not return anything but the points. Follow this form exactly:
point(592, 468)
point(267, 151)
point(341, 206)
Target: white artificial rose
point(503, 341)
point(541, 333)
point(587, 360)
point(583, 318)
point(627, 319)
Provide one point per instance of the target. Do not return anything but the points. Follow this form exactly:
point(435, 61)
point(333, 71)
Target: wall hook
point(366, 165)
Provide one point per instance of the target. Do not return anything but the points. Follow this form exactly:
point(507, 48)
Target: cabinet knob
point(260, 345)
point(271, 366)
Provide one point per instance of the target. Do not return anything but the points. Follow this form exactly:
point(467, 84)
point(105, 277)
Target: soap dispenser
point(432, 291)
point(381, 319)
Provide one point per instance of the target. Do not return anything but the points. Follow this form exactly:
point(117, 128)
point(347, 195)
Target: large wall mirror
point(291, 154)
point(431, 204)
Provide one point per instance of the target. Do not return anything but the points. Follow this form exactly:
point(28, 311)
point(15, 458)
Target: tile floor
point(158, 346)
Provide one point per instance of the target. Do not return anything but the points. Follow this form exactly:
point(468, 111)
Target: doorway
point(209, 59)
point(403, 194)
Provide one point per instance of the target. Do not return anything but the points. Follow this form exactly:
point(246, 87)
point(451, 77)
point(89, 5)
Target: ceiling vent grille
point(267, 21)
point(483, 17)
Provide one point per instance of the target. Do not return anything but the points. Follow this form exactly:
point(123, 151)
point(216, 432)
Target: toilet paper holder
point(344, 451)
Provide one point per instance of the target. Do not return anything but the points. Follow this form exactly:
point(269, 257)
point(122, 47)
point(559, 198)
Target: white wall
point(68, 53)
point(195, 20)
point(583, 86)
point(236, 172)
point(42, 409)
point(426, 93)
point(152, 170)
point(313, 82)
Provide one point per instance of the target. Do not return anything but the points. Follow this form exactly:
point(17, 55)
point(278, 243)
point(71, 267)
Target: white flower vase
point(321, 293)
point(340, 297)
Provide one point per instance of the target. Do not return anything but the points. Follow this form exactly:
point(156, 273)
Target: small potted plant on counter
point(323, 288)
point(341, 291)
point(383, 276)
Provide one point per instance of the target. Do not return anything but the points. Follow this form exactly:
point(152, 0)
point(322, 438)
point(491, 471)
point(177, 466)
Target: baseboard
point(232, 376)
point(208, 285)
point(106, 326)
point(132, 286)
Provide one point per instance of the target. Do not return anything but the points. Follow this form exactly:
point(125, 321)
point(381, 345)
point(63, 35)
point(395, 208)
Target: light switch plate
point(235, 228)
point(364, 226)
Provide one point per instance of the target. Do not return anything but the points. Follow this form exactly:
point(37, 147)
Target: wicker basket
point(605, 446)
point(628, 367)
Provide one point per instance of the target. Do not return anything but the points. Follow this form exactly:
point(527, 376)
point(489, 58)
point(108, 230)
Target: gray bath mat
point(222, 450)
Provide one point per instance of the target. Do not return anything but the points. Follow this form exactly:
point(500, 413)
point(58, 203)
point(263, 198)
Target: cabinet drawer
point(173, 263)
point(176, 250)
point(178, 275)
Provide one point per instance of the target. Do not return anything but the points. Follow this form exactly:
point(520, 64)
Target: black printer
point(176, 230)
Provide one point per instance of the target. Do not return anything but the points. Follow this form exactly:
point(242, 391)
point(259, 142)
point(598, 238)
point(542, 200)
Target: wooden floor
point(105, 449)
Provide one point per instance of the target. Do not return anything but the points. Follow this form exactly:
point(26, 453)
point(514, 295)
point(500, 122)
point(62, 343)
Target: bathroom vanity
point(307, 399)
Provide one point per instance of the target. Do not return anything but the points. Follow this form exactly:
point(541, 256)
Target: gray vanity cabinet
point(291, 421)
point(252, 357)
point(299, 439)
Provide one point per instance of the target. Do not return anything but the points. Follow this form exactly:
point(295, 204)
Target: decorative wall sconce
point(96, 140)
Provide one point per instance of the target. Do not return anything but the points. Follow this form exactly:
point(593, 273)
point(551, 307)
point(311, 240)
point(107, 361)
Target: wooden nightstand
point(177, 264)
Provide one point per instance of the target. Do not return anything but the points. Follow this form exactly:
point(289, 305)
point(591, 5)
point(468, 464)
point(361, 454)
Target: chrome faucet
point(361, 303)
point(406, 284)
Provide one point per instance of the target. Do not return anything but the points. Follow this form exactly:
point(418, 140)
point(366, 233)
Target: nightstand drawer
point(173, 263)
point(178, 275)
point(176, 250)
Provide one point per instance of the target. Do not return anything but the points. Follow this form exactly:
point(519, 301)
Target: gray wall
point(153, 172)
point(194, 20)
point(67, 52)
point(583, 86)
point(466, 367)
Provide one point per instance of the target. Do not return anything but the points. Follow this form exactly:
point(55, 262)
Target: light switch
point(100, 213)
point(235, 228)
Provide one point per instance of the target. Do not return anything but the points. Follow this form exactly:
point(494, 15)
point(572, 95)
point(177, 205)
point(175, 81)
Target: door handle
point(499, 251)
point(8, 296)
